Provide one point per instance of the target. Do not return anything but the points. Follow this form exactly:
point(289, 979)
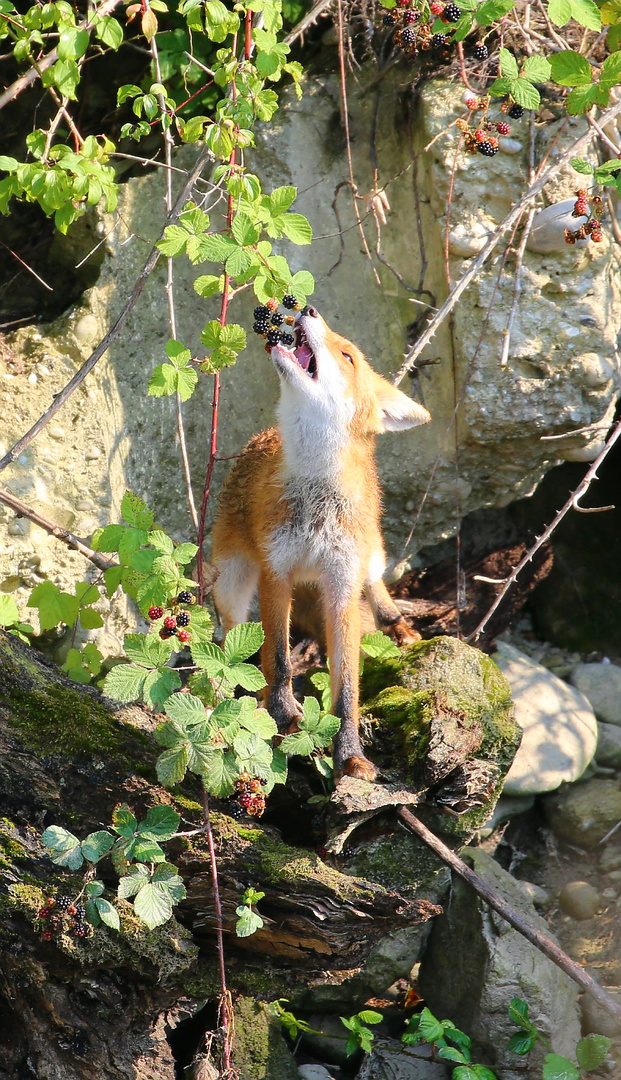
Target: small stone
point(615, 875)
point(389, 1058)
point(92, 453)
point(509, 145)
point(610, 859)
point(540, 897)
point(32, 378)
point(601, 684)
point(86, 328)
point(55, 431)
point(85, 504)
point(596, 1020)
point(18, 528)
point(579, 899)
point(583, 813)
point(314, 1072)
point(43, 370)
point(608, 751)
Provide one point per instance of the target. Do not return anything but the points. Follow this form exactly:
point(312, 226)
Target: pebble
point(596, 1020)
point(584, 813)
point(55, 431)
point(85, 504)
point(540, 897)
point(314, 1072)
point(608, 751)
point(86, 328)
point(601, 684)
point(32, 378)
point(509, 146)
point(92, 453)
point(579, 899)
point(610, 860)
point(17, 528)
point(43, 370)
point(614, 875)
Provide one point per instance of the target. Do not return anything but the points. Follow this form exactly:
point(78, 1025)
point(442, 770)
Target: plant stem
point(225, 997)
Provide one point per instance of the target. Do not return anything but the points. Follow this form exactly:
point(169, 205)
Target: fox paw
point(403, 634)
point(359, 767)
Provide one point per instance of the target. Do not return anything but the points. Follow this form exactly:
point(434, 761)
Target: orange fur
point(302, 503)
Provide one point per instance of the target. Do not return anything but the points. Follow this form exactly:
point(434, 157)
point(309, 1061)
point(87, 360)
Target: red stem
point(224, 1003)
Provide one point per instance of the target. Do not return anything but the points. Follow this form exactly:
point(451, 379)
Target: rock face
point(475, 963)
point(560, 373)
point(559, 727)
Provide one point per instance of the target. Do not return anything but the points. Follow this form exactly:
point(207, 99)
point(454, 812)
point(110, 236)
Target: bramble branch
point(23, 510)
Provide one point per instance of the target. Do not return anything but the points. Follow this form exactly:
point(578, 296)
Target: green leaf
point(492, 10)
point(252, 754)
point(8, 164)
point(248, 921)
point(107, 913)
point(582, 98)
point(186, 710)
point(429, 1028)
point(209, 657)
point(613, 37)
point(500, 87)
point(184, 553)
point(207, 285)
point(300, 742)
point(172, 765)
point(64, 847)
point(370, 1016)
point(135, 512)
point(536, 68)
point(72, 43)
point(296, 228)
point(556, 1067)
point(109, 31)
point(378, 644)
point(234, 336)
point(522, 1042)
point(9, 612)
point(243, 641)
point(134, 880)
point(507, 64)
point(518, 1013)
point(570, 68)
point(124, 822)
point(245, 230)
point(94, 888)
point(153, 905)
point(586, 13)
point(124, 682)
point(54, 606)
point(145, 851)
point(65, 75)
point(581, 165)
point(559, 11)
point(591, 1051)
point(302, 285)
point(611, 69)
point(247, 676)
point(450, 1053)
point(96, 845)
point(160, 823)
point(159, 685)
point(223, 772)
point(525, 94)
point(173, 241)
point(90, 620)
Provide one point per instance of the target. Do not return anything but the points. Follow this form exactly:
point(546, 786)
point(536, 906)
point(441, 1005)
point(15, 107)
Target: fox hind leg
point(275, 595)
point(387, 615)
point(235, 588)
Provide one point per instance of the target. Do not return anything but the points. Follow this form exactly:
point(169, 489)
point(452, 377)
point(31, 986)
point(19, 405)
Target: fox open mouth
point(303, 353)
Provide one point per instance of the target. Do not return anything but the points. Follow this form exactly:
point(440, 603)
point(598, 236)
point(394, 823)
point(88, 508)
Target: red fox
point(302, 503)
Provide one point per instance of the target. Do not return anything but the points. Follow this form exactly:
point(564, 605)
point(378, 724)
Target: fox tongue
point(304, 356)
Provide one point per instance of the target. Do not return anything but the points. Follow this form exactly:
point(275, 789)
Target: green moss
point(260, 1051)
point(400, 861)
point(59, 720)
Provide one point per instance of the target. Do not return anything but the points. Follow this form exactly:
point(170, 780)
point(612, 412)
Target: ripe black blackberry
point(389, 19)
point(487, 149)
point(164, 633)
point(408, 35)
point(451, 13)
point(63, 902)
point(261, 326)
point(273, 337)
point(287, 339)
point(186, 597)
point(236, 811)
point(183, 619)
point(516, 111)
point(290, 301)
point(80, 929)
point(410, 17)
point(277, 319)
point(438, 41)
point(80, 912)
point(480, 52)
point(261, 312)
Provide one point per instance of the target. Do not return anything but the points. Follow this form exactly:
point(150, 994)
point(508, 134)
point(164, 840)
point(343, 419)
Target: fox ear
point(397, 411)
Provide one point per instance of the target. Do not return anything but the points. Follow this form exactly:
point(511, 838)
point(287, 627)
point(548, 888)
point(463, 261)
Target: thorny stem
point(225, 997)
point(573, 502)
point(115, 329)
point(514, 215)
point(23, 510)
point(170, 287)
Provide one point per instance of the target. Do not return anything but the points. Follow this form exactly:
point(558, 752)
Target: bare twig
point(541, 941)
point(23, 510)
point(26, 266)
point(519, 254)
point(113, 333)
point(571, 503)
point(308, 20)
point(46, 62)
point(514, 214)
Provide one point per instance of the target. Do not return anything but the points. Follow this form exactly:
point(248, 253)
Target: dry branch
point(23, 510)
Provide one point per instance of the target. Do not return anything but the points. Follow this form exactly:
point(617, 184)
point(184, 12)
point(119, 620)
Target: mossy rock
point(259, 1049)
point(446, 706)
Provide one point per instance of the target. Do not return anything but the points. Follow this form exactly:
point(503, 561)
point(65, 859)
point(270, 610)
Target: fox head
point(327, 383)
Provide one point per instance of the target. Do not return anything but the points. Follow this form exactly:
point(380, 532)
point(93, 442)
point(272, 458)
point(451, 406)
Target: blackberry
point(389, 19)
point(170, 622)
point(236, 811)
point(64, 902)
point(487, 149)
point(290, 301)
point(47, 935)
point(261, 312)
point(480, 52)
point(516, 111)
point(410, 17)
point(503, 128)
point(272, 304)
point(451, 13)
point(438, 41)
point(43, 912)
point(186, 597)
point(408, 35)
point(277, 319)
point(287, 339)
point(183, 618)
point(80, 912)
point(273, 337)
point(79, 929)
point(155, 613)
point(261, 326)
point(246, 800)
point(183, 636)
point(164, 633)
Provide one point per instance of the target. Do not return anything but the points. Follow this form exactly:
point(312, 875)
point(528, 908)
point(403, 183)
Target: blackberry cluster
point(268, 320)
point(592, 228)
point(62, 915)
point(249, 795)
point(177, 620)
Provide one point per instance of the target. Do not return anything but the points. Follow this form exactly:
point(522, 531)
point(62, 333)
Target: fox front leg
point(275, 598)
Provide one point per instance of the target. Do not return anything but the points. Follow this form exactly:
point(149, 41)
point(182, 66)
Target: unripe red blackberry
point(487, 148)
point(436, 8)
point(155, 613)
point(183, 618)
point(268, 349)
point(255, 786)
point(506, 105)
point(51, 901)
point(170, 622)
point(186, 597)
point(410, 17)
point(480, 51)
point(46, 935)
point(245, 800)
point(597, 236)
point(480, 135)
point(272, 304)
point(403, 3)
point(516, 111)
point(503, 128)
point(569, 236)
point(79, 930)
point(43, 912)
point(183, 636)
point(451, 13)
point(438, 41)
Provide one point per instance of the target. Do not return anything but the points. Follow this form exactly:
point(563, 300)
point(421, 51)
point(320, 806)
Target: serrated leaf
point(92, 915)
point(54, 606)
point(107, 913)
point(223, 772)
point(525, 94)
point(94, 888)
point(570, 68)
point(252, 754)
point(581, 165)
point(559, 11)
point(500, 87)
point(245, 230)
point(64, 847)
point(592, 1050)
point(135, 879)
point(302, 285)
point(370, 1016)
point(184, 553)
point(300, 742)
point(160, 823)
point(296, 228)
point(186, 710)
point(507, 64)
point(124, 822)
point(145, 851)
point(247, 676)
point(429, 1028)
point(586, 13)
point(611, 69)
point(243, 641)
point(173, 241)
point(260, 722)
point(135, 511)
point(328, 728)
point(582, 98)
point(171, 766)
point(9, 612)
point(492, 10)
point(536, 68)
point(556, 1067)
point(248, 922)
point(124, 682)
point(378, 644)
point(96, 845)
point(159, 685)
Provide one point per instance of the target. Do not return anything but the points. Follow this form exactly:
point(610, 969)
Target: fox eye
point(348, 357)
